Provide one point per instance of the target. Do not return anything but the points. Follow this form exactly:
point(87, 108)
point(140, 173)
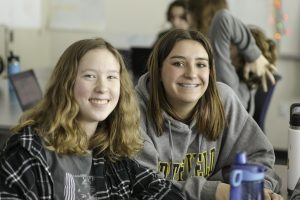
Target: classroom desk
point(10, 110)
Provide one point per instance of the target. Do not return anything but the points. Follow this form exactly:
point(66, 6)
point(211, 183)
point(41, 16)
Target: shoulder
point(19, 161)
point(23, 149)
point(231, 102)
point(223, 14)
point(26, 138)
point(160, 34)
point(223, 19)
point(226, 92)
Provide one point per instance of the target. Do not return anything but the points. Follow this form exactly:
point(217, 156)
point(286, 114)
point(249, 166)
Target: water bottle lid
point(241, 158)
point(295, 114)
point(13, 57)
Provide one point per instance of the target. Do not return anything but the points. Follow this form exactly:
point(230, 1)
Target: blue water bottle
point(246, 180)
point(13, 64)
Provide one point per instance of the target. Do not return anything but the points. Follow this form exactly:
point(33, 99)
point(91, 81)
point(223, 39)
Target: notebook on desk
point(26, 88)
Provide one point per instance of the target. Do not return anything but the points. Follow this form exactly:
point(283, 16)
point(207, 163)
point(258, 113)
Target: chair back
point(262, 102)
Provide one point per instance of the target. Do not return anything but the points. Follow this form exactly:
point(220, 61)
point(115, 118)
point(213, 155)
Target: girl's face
point(177, 18)
point(185, 75)
point(97, 85)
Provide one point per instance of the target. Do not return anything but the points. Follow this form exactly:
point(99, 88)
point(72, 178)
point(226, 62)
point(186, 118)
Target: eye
point(178, 64)
point(89, 76)
point(113, 77)
point(201, 65)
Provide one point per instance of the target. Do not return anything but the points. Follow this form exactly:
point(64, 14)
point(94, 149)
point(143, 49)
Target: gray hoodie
point(180, 144)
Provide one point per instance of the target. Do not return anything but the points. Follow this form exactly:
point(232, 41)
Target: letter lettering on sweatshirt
point(178, 171)
point(204, 164)
point(212, 160)
point(165, 168)
point(201, 165)
point(188, 161)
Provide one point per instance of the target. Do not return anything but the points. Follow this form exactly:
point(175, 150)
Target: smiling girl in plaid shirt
point(78, 141)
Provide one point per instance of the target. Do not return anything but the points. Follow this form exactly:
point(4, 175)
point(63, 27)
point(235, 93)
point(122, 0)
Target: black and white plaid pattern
point(24, 174)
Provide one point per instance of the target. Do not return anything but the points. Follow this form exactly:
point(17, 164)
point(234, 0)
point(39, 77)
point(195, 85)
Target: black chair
point(262, 102)
point(139, 58)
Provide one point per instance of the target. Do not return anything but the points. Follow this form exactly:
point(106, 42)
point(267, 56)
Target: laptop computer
point(26, 88)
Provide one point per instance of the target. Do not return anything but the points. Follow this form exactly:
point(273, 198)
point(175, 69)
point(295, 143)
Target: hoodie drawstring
point(171, 145)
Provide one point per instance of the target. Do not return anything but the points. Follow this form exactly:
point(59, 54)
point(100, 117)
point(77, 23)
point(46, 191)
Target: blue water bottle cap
point(241, 158)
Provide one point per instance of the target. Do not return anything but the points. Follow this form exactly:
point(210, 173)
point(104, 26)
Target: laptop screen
point(27, 88)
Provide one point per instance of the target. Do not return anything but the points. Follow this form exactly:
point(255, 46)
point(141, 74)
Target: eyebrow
point(182, 57)
point(91, 69)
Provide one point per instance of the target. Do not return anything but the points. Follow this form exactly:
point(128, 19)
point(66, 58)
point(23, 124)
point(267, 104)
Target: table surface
point(10, 110)
point(281, 170)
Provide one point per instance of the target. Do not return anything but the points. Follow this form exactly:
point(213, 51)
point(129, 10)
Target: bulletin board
point(21, 13)
point(77, 15)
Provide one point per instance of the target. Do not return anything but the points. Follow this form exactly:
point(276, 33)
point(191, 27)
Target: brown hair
point(209, 111)
point(55, 117)
point(203, 11)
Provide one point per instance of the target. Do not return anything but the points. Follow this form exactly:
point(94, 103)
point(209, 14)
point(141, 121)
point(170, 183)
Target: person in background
point(192, 125)
point(77, 143)
point(213, 18)
point(176, 16)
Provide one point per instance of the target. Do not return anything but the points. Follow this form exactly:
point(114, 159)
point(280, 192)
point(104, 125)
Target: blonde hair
point(203, 11)
point(55, 117)
point(209, 105)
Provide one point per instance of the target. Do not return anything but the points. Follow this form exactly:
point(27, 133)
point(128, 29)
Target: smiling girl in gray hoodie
point(192, 125)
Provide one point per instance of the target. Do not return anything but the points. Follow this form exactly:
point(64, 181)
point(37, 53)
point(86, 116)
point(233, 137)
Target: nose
point(190, 71)
point(176, 22)
point(101, 86)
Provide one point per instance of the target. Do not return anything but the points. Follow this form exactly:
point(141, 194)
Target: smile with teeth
point(188, 85)
point(99, 101)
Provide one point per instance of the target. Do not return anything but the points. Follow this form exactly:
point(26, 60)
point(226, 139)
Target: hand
point(270, 195)
point(223, 191)
point(261, 68)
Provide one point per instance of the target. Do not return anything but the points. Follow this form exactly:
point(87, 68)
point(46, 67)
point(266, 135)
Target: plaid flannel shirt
point(24, 174)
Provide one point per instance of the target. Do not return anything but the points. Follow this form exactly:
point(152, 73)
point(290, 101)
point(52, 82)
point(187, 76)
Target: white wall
point(128, 23)
point(136, 22)
point(286, 92)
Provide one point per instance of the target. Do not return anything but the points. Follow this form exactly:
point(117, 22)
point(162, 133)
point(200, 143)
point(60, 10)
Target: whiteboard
point(21, 13)
point(80, 15)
